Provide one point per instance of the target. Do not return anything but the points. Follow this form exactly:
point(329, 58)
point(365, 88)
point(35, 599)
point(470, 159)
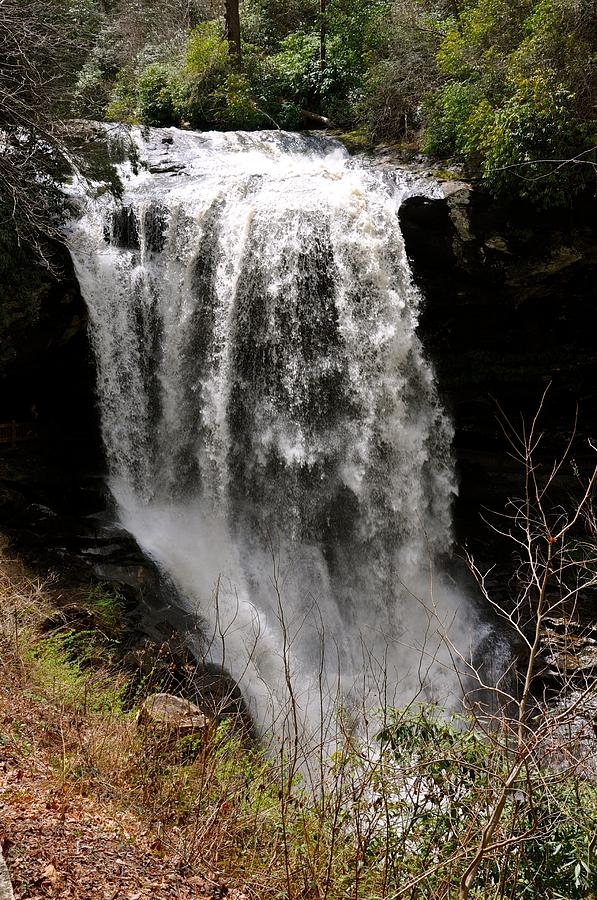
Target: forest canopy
point(506, 88)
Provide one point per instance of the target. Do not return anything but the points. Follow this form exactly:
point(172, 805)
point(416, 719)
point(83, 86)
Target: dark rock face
point(510, 308)
point(47, 379)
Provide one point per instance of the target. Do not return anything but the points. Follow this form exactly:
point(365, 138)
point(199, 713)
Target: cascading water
point(273, 433)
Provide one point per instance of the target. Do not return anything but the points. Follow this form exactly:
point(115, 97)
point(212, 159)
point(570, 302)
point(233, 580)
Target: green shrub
point(452, 118)
point(401, 72)
point(64, 666)
point(92, 91)
point(107, 606)
point(297, 67)
point(123, 98)
point(155, 101)
point(535, 130)
point(450, 774)
point(206, 50)
point(267, 22)
point(237, 105)
point(205, 70)
point(516, 103)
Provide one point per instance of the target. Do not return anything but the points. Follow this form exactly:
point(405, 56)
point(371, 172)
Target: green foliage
point(297, 66)
point(107, 606)
point(454, 116)
point(60, 666)
point(515, 104)
point(538, 122)
point(238, 108)
point(476, 45)
point(400, 72)
point(499, 85)
point(92, 91)
point(207, 51)
point(186, 86)
point(452, 773)
point(205, 72)
point(154, 95)
point(337, 88)
point(265, 23)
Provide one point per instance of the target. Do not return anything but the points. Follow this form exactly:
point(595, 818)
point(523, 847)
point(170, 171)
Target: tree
point(41, 46)
point(322, 34)
point(233, 30)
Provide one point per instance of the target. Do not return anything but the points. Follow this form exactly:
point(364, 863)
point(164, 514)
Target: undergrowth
point(399, 816)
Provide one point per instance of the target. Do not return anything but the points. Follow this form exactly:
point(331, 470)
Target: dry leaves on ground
point(60, 844)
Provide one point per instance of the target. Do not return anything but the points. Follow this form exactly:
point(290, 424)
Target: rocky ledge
point(510, 307)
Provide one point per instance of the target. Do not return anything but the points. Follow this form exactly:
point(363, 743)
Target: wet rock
point(167, 168)
point(12, 505)
point(42, 519)
point(458, 202)
point(154, 225)
point(125, 229)
point(569, 651)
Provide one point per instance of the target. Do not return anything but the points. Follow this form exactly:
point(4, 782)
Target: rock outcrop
point(510, 308)
point(6, 891)
point(170, 713)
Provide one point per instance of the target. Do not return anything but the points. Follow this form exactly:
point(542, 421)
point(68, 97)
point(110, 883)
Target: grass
point(400, 817)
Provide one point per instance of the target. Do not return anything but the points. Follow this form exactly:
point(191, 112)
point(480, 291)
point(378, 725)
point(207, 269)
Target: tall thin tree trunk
point(233, 30)
point(322, 34)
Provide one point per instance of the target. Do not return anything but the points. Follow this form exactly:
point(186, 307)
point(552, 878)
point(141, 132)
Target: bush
point(155, 101)
point(516, 99)
point(92, 91)
point(205, 70)
point(266, 23)
point(153, 96)
point(537, 124)
point(206, 51)
point(171, 88)
point(454, 116)
point(238, 108)
point(297, 67)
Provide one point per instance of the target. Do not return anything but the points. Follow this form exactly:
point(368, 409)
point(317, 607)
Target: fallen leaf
point(51, 874)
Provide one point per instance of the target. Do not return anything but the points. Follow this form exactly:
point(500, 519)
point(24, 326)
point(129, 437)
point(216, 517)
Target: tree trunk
point(322, 34)
point(233, 29)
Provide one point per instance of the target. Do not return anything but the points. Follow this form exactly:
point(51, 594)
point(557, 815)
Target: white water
point(272, 428)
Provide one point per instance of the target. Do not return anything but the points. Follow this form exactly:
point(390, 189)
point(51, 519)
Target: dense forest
point(506, 87)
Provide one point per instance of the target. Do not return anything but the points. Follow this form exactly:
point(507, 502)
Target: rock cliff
point(510, 308)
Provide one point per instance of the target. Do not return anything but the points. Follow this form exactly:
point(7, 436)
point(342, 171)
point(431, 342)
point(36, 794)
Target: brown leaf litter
point(59, 843)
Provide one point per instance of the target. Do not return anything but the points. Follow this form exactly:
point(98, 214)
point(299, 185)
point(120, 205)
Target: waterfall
point(273, 433)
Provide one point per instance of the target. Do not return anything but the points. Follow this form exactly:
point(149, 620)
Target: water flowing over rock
point(271, 424)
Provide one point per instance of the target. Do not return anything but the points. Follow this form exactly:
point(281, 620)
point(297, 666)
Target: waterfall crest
point(271, 424)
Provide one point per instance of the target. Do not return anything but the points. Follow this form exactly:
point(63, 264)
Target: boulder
point(6, 891)
point(172, 714)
